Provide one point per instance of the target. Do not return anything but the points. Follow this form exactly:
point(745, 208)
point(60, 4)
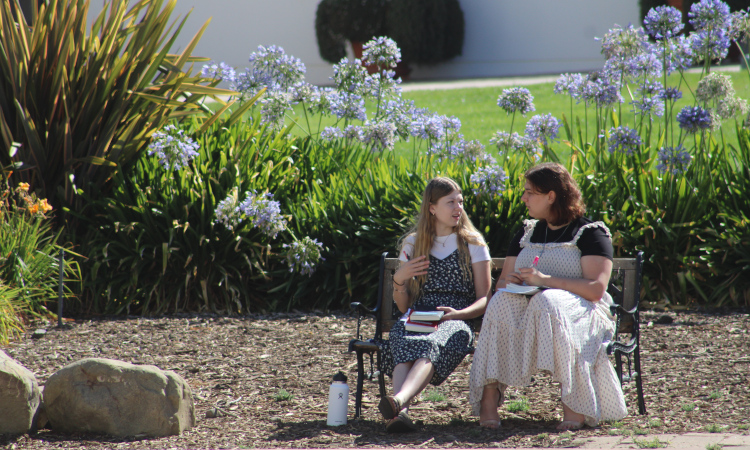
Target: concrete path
point(690, 441)
point(513, 81)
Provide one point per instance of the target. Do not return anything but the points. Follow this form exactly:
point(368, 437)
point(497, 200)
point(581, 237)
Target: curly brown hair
point(568, 204)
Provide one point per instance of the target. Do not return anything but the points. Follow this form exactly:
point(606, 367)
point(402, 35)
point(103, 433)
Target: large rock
point(118, 398)
point(20, 396)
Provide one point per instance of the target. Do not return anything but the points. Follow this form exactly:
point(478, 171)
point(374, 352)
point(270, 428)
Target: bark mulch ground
point(696, 374)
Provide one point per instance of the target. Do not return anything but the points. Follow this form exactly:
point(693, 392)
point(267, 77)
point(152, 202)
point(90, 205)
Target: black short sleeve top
point(594, 241)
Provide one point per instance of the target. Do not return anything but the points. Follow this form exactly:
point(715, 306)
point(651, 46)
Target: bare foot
point(569, 425)
point(571, 420)
point(490, 423)
point(488, 416)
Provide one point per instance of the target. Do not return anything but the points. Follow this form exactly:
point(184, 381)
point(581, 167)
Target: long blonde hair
point(424, 233)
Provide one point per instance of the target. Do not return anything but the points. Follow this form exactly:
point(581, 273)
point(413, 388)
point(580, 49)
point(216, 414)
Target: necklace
point(443, 241)
point(546, 229)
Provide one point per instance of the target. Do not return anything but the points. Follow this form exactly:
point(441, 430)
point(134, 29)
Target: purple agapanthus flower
point(663, 22)
point(670, 93)
point(713, 14)
point(349, 77)
point(304, 255)
point(624, 43)
point(648, 106)
point(517, 99)
point(263, 212)
point(381, 51)
point(331, 133)
point(600, 90)
point(624, 139)
point(673, 159)
point(680, 53)
point(173, 148)
point(542, 128)
point(221, 71)
point(345, 105)
point(381, 134)
point(507, 141)
point(694, 118)
point(710, 44)
point(489, 180)
point(569, 84)
point(428, 126)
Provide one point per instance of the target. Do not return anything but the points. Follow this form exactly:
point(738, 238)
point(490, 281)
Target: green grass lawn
point(481, 118)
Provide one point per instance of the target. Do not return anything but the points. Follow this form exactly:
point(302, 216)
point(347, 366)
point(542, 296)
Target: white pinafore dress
point(553, 331)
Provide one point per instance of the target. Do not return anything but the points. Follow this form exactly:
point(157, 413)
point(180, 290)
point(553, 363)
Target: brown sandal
point(389, 407)
point(400, 424)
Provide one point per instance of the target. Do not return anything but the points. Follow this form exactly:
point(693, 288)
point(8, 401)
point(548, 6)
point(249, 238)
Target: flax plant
point(84, 103)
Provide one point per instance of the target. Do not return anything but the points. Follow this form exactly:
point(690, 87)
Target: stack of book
point(423, 321)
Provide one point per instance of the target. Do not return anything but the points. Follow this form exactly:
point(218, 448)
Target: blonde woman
point(445, 265)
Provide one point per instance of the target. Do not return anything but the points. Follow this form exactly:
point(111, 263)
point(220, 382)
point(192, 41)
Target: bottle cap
point(340, 377)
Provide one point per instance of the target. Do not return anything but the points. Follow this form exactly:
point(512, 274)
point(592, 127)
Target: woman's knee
point(544, 301)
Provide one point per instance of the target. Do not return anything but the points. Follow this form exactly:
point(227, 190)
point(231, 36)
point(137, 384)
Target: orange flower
point(33, 208)
point(23, 186)
point(44, 206)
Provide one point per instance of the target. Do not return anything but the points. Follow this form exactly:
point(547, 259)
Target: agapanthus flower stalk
point(303, 256)
point(663, 22)
point(624, 139)
point(173, 148)
point(542, 128)
point(694, 119)
point(517, 99)
point(673, 159)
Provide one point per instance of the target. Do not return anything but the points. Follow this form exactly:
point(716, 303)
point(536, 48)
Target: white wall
point(524, 37)
point(503, 37)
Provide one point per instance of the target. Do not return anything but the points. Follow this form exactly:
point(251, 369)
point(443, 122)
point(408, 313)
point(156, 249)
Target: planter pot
point(402, 69)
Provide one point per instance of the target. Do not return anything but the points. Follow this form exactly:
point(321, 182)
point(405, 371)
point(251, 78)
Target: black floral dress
point(452, 341)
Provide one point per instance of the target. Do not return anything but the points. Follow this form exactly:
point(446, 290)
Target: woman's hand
point(450, 313)
point(412, 268)
point(531, 276)
point(513, 277)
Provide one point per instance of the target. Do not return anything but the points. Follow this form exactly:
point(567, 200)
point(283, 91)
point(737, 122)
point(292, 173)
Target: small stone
point(39, 333)
point(664, 320)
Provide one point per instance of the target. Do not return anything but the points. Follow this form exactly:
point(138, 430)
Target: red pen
point(407, 256)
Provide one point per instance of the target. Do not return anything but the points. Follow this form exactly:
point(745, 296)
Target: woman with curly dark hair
point(560, 329)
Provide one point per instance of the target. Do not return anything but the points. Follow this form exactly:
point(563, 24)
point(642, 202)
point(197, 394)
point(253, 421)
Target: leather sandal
point(389, 407)
point(400, 424)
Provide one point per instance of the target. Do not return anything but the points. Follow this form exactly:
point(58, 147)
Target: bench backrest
point(624, 286)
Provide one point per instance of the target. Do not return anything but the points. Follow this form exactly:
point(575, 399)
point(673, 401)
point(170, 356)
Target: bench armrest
point(362, 310)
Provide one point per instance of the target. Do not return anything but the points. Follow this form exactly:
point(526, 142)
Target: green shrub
point(340, 21)
point(427, 31)
point(156, 246)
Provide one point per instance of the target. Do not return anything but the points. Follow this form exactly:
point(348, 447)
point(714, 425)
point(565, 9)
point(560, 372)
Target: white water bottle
point(338, 400)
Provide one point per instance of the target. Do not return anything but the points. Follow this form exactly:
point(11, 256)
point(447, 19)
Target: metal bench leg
point(381, 378)
point(639, 379)
point(360, 384)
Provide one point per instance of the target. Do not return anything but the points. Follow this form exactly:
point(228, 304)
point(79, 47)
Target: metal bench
point(624, 287)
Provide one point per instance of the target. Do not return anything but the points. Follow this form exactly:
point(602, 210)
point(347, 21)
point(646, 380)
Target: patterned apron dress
point(553, 331)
